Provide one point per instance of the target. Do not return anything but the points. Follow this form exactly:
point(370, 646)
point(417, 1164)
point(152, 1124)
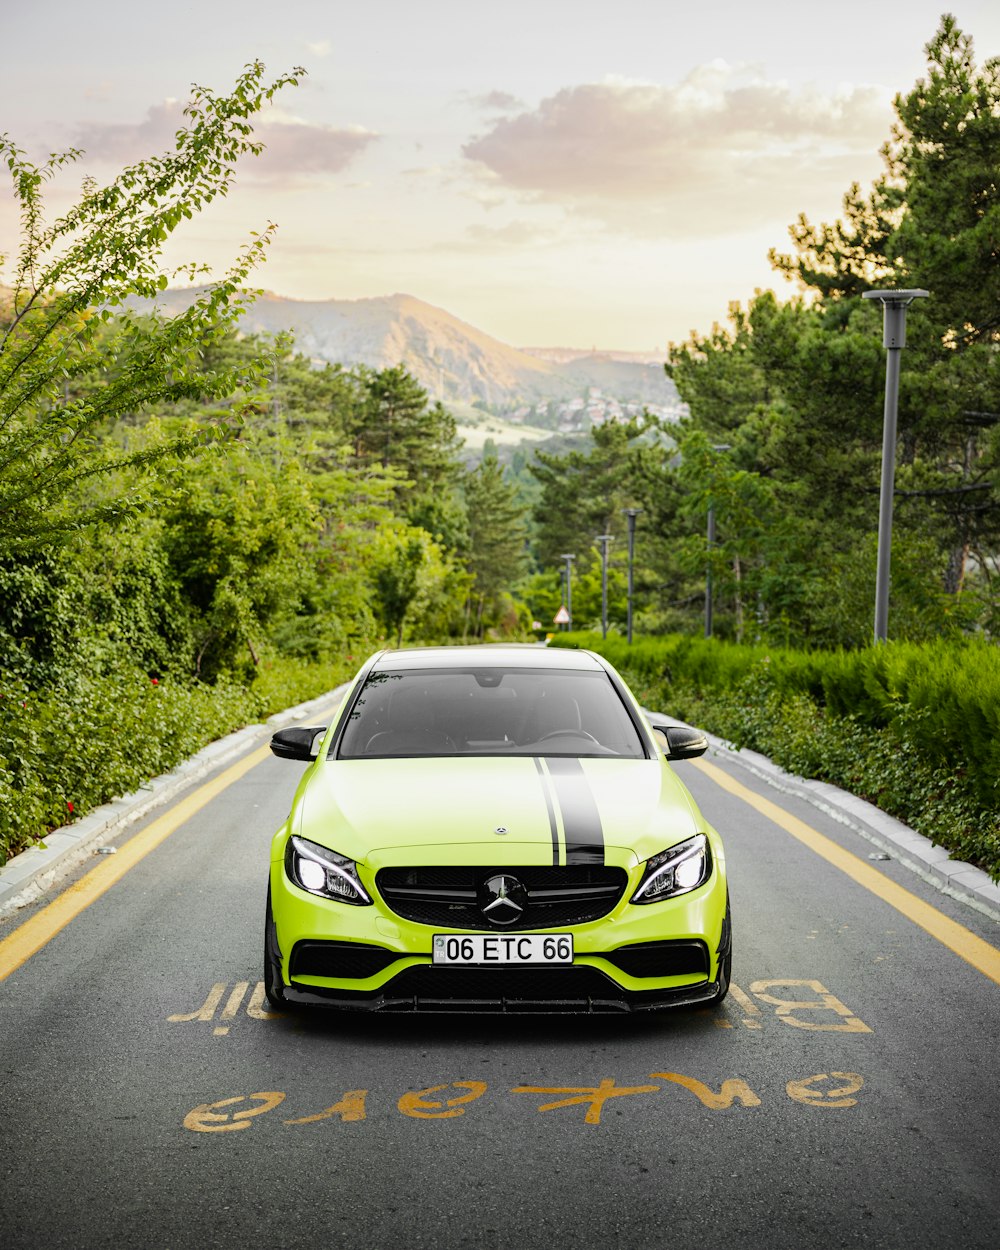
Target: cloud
point(487, 240)
point(292, 147)
point(498, 101)
point(302, 148)
point(322, 48)
point(720, 150)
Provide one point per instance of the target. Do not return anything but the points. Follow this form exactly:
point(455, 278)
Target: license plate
point(506, 948)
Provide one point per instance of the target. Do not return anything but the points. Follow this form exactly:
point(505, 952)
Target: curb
point(931, 863)
point(27, 876)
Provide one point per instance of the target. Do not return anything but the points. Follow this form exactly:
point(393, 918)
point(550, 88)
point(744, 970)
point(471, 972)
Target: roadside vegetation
point(198, 527)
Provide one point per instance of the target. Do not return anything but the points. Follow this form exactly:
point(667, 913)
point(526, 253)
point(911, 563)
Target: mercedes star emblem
point(502, 899)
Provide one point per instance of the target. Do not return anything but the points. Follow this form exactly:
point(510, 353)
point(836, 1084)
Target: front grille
point(449, 898)
point(661, 959)
point(343, 960)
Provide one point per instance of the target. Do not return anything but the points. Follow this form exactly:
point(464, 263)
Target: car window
point(429, 712)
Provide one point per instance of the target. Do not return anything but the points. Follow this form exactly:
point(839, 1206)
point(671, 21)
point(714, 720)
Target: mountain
point(454, 361)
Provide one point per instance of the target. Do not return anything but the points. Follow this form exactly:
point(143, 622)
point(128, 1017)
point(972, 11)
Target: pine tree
point(498, 534)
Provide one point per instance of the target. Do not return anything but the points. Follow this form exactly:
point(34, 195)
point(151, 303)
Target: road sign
point(561, 617)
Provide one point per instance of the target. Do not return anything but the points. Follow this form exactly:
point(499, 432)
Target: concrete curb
point(27, 876)
point(932, 863)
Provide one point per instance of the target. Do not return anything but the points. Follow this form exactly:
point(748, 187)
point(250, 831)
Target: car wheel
point(274, 987)
point(726, 961)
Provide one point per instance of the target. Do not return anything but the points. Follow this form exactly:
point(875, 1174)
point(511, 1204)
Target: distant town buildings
point(583, 412)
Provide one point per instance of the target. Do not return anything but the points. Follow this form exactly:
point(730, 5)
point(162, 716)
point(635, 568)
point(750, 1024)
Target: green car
point(494, 829)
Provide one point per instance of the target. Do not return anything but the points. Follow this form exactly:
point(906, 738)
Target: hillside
point(460, 365)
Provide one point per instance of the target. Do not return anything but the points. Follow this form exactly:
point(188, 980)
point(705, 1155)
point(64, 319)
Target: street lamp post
point(569, 558)
point(631, 513)
point(604, 540)
point(894, 306)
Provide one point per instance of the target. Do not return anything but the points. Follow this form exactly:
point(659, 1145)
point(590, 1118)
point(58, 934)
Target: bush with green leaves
point(64, 750)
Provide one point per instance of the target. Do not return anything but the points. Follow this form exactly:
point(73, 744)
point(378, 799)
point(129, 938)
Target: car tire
point(274, 986)
point(725, 961)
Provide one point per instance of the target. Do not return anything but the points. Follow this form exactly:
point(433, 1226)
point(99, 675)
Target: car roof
point(501, 655)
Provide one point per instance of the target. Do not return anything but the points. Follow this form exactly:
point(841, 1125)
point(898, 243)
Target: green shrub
point(65, 750)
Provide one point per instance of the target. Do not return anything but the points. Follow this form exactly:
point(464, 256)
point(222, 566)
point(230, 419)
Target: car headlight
point(678, 871)
point(321, 871)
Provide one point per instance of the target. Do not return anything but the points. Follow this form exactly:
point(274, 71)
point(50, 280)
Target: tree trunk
point(954, 575)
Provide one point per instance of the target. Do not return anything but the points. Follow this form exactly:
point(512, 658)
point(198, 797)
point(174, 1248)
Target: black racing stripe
point(581, 819)
point(553, 828)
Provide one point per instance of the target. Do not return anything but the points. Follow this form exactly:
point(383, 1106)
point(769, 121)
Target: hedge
point(913, 728)
point(65, 751)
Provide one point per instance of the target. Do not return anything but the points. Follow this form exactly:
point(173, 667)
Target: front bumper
point(637, 958)
point(515, 991)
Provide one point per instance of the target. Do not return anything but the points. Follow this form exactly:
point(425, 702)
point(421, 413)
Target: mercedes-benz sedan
point(494, 828)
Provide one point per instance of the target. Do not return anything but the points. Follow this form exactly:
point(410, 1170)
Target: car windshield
point(489, 711)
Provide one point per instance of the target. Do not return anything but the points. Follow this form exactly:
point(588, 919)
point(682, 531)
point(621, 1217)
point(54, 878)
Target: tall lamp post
point(604, 540)
point(568, 572)
point(631, 513)
point(894, 306)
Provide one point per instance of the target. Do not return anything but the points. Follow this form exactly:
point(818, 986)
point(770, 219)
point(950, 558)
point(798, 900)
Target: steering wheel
point(564, 733)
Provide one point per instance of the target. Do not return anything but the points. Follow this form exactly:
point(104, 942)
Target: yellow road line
point(981, 955)
point(44, 925)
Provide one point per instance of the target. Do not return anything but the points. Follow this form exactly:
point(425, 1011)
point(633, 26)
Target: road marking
point(255, 1007)
point(206, 1011)
point(30, 937)
point(730, 1092)
point(221, 1116)
point(418, 1106)
point(232, 1006)
point(965, 944)
point(205, 1014)
point(787, 1007)
point(205, 1119)
point(350, 1108)
point(593, 1097)
point(805, 1090)
point(752, 1017)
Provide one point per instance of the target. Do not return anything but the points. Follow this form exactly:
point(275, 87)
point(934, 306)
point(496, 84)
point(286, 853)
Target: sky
point(576, 173)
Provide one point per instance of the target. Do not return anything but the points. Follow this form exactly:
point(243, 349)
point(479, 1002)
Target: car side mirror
point(685, 743)
point(678, 742)
point(297, 743)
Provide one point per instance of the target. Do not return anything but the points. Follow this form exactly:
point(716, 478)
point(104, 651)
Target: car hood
point(550, 810)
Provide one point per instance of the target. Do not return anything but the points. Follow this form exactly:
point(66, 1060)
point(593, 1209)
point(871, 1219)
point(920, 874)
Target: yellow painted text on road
point(418, 1103)
point(731, 1091)
point(806, 1090)
point(227, 1115)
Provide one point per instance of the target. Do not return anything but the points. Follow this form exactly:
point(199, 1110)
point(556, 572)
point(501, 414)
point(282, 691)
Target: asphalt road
point(847, 1094)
